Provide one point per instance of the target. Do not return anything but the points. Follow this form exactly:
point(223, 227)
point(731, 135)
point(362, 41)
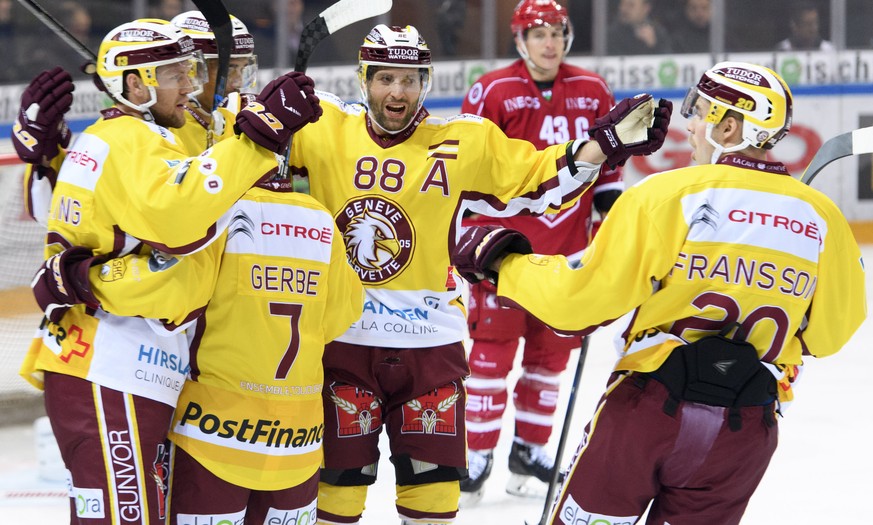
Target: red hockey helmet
point(537, 13)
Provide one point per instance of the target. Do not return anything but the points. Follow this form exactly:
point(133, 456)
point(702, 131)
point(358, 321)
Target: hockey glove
point(284, 106)
point(480, 246)
point(635, 126)
point(40, 127)
point(62, 281)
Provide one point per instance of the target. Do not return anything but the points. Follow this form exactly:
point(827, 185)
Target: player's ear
point(134, 88)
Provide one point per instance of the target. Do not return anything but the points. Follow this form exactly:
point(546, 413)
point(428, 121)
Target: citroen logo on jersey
point(707, 215)
point(241, 223)
point(379, 237)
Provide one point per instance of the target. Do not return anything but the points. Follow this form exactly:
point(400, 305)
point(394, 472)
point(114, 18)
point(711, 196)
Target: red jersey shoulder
point(513, 74)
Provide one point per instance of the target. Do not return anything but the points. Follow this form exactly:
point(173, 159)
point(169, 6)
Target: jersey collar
point(742, 161)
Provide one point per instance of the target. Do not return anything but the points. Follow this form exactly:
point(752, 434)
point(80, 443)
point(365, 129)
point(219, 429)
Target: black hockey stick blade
point(332, 19)
point(57, 28)
point(219, 21)
point(855, 142)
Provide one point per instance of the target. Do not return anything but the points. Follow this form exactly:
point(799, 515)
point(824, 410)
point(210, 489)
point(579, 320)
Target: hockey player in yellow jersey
point(732, 272)
point(127, 185)
point(398, 181)
point(204, 124)
point(249, 423)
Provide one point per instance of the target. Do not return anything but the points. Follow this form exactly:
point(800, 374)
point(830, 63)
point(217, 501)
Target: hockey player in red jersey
point(398, 181)
point(545, 101)
point(733, 273)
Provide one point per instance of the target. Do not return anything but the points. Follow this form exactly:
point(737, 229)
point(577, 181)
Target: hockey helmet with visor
point(757, 93)
point(395, 47)
point(160, 53)
point(195, 25)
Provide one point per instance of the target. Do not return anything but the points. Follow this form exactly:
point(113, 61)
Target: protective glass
point(688, 110)
point(248, 73)
point(189, 73)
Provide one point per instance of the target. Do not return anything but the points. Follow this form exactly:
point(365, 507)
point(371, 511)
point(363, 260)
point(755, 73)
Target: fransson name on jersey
point(399, 204)
point(746, 243)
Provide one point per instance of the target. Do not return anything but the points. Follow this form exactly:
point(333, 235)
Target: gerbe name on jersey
point(284, 279)
point(269, 432)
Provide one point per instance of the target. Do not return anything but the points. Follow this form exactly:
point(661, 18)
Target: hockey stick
point(219, 22)
point(331, 20)
point(52, 23)
point(328, 22)
point(565, 430)
point(855, 142)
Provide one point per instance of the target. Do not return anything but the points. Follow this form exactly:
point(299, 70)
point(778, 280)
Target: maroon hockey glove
point(480, 246)
point(40, 127)
point(62, 281)
point(285, 105)
point(635, 126)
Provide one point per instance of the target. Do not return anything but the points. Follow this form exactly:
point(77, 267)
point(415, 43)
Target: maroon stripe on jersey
point(450, 142)
point(187, 248)
point(195, 346)
point(126, 469)
point(57, 238)
point(450, 156)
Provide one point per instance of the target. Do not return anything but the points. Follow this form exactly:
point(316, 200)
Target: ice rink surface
point(822, 471)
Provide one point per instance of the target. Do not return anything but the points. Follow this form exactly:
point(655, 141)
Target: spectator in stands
point(691, 33)
point(166, 9)
point(805, 27)
point(635, 32)
point(451, 15)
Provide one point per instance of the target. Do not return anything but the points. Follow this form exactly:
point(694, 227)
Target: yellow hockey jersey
point(688, 251)
point(125, 182)
point(280, 288)
point(399, 204)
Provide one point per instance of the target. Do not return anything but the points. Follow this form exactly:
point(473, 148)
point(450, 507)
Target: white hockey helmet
point(148, 46)
point(194, 24)
point(757, 93)
point(395, 46)
point(540, 13)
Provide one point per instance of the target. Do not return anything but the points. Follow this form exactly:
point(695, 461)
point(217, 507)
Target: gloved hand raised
point(40, 127)
point(635, 126)
point(62, 281)
point(284, 106)
point(480, 246)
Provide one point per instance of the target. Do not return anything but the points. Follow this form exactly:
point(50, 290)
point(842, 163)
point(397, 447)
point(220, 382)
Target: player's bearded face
point(174, 85)
point(392, 96)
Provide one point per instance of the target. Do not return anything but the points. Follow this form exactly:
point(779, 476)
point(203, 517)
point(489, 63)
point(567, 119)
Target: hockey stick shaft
point(219, 22)
point(328, 22)
point(57, 28)
point(331, 20)
point(565, 430)
point(855, 142)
